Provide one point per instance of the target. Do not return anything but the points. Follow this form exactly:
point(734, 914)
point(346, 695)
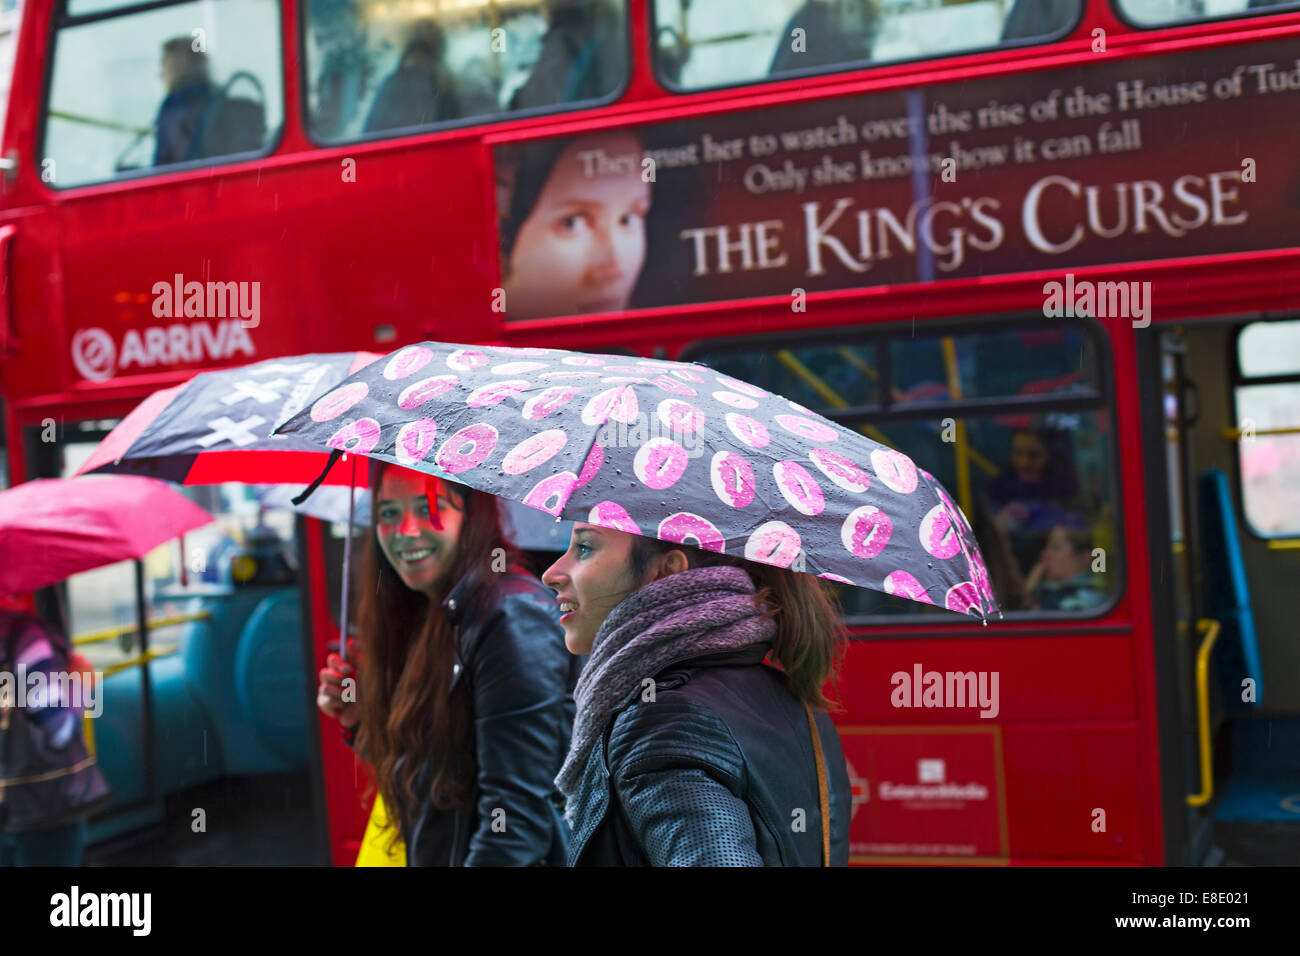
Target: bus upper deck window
point(376, 66)
point(137, 88)
point(1159, 13)
point(711, 43)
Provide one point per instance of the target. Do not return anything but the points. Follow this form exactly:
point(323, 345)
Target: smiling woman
point(688, 749)
point(463, 705)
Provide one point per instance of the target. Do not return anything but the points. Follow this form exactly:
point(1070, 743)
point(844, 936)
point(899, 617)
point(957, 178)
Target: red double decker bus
point(1048, 248)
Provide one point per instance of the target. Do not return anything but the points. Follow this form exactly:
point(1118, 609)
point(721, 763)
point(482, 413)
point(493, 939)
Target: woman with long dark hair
point(688, 749)
point(463, 707)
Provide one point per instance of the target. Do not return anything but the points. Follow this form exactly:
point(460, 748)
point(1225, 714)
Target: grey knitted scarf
point(689, 614)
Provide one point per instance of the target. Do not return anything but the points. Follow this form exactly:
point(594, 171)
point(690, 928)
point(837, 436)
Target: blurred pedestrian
point(49, 783)
point(461, 698)
point(687, 748)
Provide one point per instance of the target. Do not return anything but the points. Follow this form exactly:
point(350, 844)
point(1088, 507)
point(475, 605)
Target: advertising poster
point(1107, 163)
point(921, 792)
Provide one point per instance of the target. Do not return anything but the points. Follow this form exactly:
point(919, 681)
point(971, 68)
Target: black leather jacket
point(715, 771)
point(521, 677)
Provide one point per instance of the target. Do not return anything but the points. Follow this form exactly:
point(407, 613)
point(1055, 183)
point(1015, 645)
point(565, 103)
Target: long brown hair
point(810, 641)
point(408, 714)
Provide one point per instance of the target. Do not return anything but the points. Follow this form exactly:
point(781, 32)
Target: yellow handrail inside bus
point(138, 659)
point(828, 394)
point(961, 450)
point(102, 123)
point(108, 634)
point(1210, 633)
point(977, 459)
point(1284, 544)
point(1234, 434)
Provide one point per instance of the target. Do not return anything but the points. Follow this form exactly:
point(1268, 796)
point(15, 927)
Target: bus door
point(1231, 416)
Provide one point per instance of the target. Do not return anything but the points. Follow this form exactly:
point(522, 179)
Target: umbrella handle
point(347, 553)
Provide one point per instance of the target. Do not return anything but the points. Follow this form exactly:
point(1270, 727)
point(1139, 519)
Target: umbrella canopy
point(52, 528)
point(217, 426)
point(669, 450)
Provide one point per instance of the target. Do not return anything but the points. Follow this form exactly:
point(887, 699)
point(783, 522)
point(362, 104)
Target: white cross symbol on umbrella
point(223, 429)
point(260, 391)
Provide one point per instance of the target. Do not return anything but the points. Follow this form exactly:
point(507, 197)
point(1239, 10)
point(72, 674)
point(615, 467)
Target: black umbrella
point(669, 450)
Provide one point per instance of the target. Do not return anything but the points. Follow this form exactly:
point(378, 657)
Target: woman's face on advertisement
point(421, 552)
point(592, 577)
point(582, 247)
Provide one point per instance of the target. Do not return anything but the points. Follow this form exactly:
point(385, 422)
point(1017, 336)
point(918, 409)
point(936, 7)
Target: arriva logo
point(97, 357)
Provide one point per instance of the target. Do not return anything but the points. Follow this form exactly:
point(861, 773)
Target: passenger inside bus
point(1030, 19)
point(190, 93)
point(1034, 490)
point(421, 90)
point(1063, 579)
point(583, 55)
point(834, 32)
point(198, 120)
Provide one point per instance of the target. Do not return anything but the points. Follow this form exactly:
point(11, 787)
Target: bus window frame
point(1117, 8)
point(60, 19)
point(850, 67)
point(1103, 401)
point(464, 123)
point(1237, 379)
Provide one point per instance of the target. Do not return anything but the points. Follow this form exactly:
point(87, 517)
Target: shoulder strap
point(822, 796)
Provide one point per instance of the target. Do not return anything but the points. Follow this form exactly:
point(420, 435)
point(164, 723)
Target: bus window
point(1267, 397)
point(710, 43)
point(377, 66)
point(1159, 13)
point(150, 88)
point(820, 377)
point(1012, 421)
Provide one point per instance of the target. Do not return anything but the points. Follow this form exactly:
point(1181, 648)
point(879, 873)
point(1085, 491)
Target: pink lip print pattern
point(659, 463)
point(407, 362)
point(733, 479)
point(495, 393)
point(595, 458)
point(678, 416)
point(798, 488)
point(618, 403)
point(517, 368)
point(610, 514)
point(744, 388)
point(416, 394)
point(866, 531)
point(895, 469)
point(480, 439)
point(685, 526)
point(939, 534)
point(553, 493)
point(807, 428)
point(466, 360)
point(548, 401)
point(902, 584)
point(774, 543)
point(963, 598)
point(860, 488)
point(752, 433)
point(840, 470)
point(415, 440)
point(735, 400)
point(670, 384)
point(533, 451)
point(335, 403)
point(360, 436)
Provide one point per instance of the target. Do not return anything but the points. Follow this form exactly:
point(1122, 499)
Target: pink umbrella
point(52, 528)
